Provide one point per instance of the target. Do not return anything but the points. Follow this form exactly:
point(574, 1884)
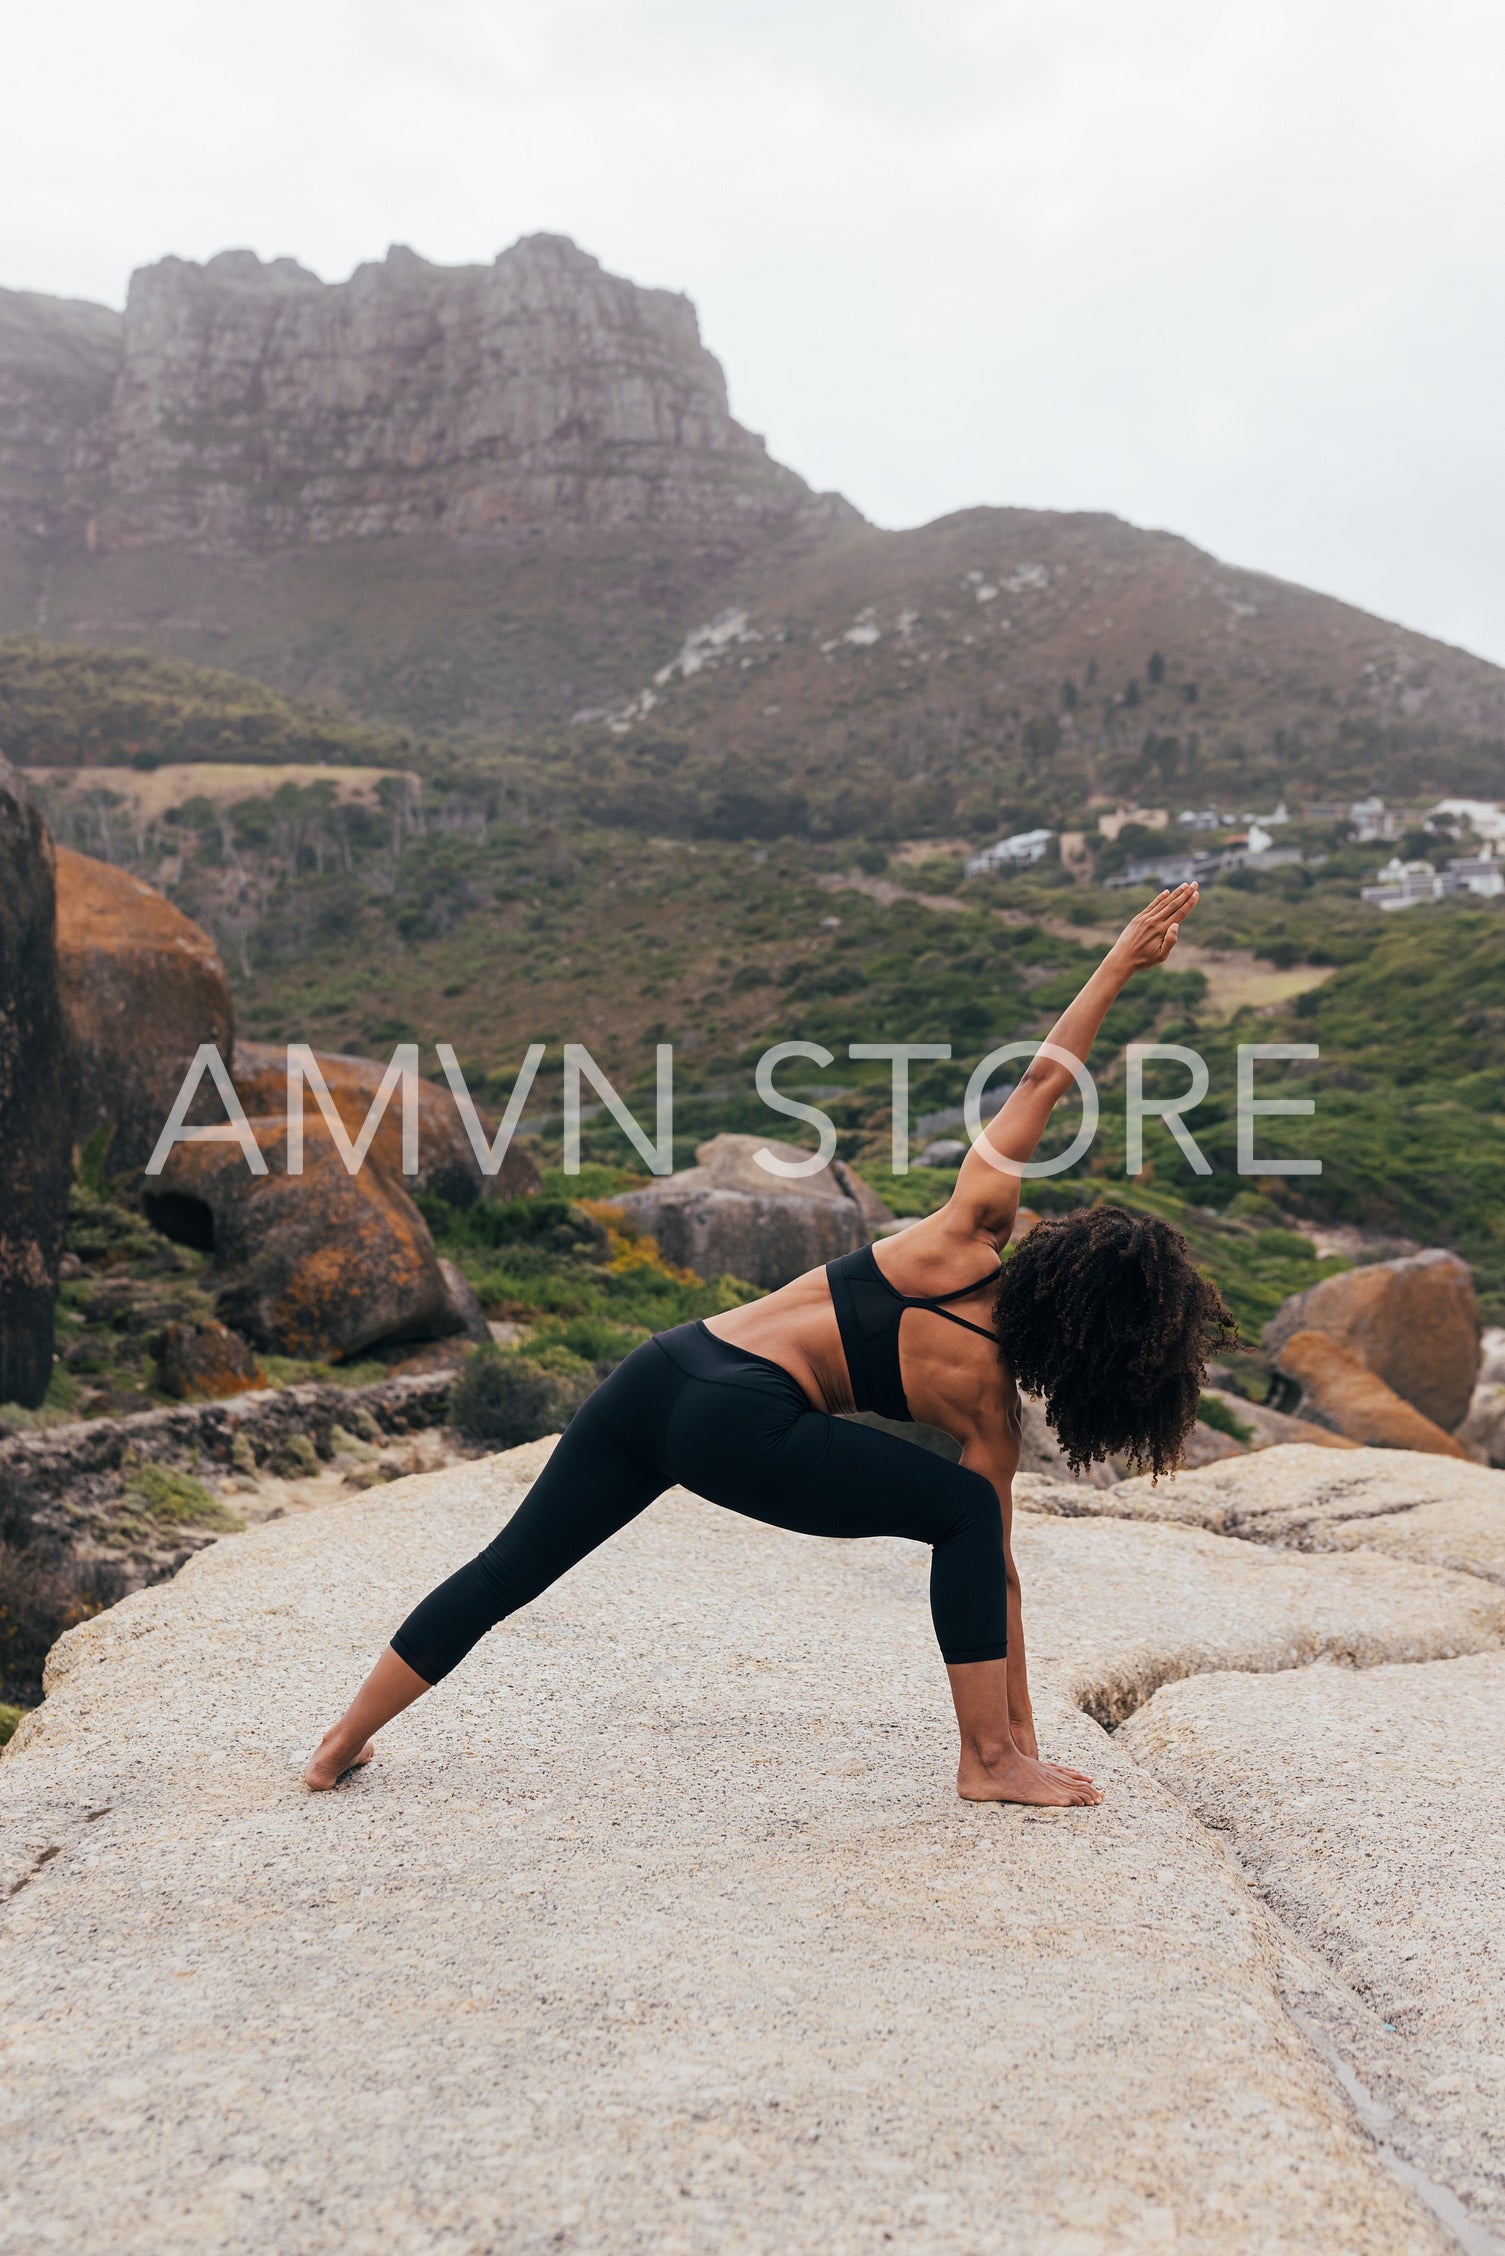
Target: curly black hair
point(1106, 1315)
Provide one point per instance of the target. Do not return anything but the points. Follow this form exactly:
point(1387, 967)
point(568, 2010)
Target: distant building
point(1476, 873)
point(1484, 817)
point(1207, 818)
point(1403, 885)
point(1371, 818)
point(1206, 868)
point(1162, 869)
point(1014, 853)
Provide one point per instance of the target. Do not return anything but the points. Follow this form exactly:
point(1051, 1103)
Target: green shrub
point(177, 1499)
point(9, 1717)
point(294, 1458)
point(501, 1399)
point(1222, 1419)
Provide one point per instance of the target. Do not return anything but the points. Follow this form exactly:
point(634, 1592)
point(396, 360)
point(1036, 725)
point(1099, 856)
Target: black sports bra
point(868, 1309)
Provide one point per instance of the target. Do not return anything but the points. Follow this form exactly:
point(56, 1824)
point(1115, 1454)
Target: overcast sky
point(1232, 271)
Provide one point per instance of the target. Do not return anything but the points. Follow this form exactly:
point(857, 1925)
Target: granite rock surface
point(1367, 1809)
point(1435, 1510)
point(729, 1216)
point(659, 1925)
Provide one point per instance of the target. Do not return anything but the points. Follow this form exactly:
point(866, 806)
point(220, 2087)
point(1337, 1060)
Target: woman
point(1101, 1312)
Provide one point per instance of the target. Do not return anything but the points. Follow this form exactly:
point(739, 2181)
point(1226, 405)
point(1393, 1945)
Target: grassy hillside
point(69, 706)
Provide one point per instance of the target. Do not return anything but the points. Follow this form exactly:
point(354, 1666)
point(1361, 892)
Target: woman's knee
point(974, 1508)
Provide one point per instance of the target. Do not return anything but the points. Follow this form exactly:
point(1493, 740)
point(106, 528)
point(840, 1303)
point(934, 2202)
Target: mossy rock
point(294, 1458)
point(176, 1499)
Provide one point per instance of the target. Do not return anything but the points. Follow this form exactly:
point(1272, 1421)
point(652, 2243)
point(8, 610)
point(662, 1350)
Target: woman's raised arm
point(986, 1197)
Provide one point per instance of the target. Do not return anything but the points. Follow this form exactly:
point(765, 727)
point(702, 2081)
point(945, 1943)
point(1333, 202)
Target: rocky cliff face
point(59, 359)
point(248, 406)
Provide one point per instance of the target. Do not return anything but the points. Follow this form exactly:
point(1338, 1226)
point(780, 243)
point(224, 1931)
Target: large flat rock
point(1113, 1610)
point(659, 1926)
point(1431, 1509)
point(1368, 1810)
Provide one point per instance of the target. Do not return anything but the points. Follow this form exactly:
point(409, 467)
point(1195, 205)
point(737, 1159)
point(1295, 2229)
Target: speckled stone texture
point(1368, 1809)
point(1431, 1509)
point(659, 1927)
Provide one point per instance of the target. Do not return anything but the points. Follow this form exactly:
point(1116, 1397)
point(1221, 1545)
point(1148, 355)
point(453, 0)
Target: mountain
point(509, 503)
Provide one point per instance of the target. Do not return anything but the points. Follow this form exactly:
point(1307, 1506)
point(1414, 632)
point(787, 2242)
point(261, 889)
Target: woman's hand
point(1151, 936)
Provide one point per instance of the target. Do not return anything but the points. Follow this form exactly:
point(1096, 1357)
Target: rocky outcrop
point(1340, 1391)
point(447, 1164)
point(1431, 1509)
point(876, 1966)
point(204, 1360)
point(59, 359)
point(243, 405)
point(36, 1099)
point(75, 1490)
point(727, 1216)
point(321, 1264)
point(1367, 1808)
point(143, 986)
point(1414, 1323)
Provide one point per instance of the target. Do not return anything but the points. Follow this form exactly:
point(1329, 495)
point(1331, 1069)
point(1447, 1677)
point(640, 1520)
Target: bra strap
point(952, 1318)
point(929, 1300)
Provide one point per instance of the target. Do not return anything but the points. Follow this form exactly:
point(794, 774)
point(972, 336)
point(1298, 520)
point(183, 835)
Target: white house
point(1403, 884)
point(1484, 817)
point(1371, 818)
point(1014, 853)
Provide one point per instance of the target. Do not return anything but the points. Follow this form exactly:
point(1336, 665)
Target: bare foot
point(1023, 1734)
point(1012, 1777)
point(331, 1761)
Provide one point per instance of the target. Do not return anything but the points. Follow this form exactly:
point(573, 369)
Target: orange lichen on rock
point(1413, 1322)
point(142, 987)
point(1343, 1393)
point(447, 1163)
point(321, 1264)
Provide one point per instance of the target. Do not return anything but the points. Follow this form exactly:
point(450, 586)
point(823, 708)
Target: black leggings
point(689, 1408)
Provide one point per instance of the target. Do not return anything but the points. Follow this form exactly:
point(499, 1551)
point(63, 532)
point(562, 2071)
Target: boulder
point(322, 1264)
point(143, 986)
point(447, 1164)
point(726, 1215)
point(466, 1313)
point(37, 1067)
point(1341, 1392)
point(1482, 1433)
point(205, 1360)
point(1413, 1322)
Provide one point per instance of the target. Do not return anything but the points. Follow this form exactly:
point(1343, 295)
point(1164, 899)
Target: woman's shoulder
point(940, 1253)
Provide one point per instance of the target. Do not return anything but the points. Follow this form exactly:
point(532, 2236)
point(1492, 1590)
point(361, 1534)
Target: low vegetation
point(74, 705)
